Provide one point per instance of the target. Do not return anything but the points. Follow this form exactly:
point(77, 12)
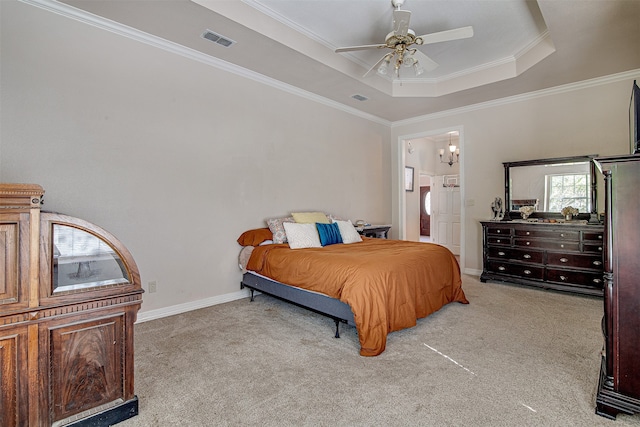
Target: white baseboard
point(193, 305)
point(472, 272)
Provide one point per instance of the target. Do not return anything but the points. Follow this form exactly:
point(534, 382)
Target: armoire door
point(14, 378)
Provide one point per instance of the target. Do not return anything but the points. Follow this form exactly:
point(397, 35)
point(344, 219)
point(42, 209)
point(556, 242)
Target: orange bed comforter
point(389, 284)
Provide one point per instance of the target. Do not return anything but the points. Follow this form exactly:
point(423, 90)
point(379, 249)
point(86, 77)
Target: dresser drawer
point(547, 244)
point(595, 236)
point(595, 280)
point(549, 234)
point(595, 248)
point(520, 270)
point(500, 231)
point(575, 260)
point(499, 240)
point(516, 254)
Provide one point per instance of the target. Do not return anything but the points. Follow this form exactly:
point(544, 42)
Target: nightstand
point(377, 231)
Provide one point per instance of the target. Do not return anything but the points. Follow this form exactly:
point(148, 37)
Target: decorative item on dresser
point(69, 295)
point(564, 257)
point(619, 385)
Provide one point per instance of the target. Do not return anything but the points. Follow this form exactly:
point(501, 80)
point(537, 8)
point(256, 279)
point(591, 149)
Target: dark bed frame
point(319, 303)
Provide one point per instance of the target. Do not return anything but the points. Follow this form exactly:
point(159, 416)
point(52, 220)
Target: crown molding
point(584, 84)
point(166, 45)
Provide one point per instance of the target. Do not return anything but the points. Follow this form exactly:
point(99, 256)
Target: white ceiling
point(518, 46)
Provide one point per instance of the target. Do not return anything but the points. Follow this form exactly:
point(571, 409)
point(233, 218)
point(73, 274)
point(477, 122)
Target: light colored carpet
point(514, 356)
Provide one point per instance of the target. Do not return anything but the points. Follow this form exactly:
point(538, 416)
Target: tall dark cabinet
point(619, 385)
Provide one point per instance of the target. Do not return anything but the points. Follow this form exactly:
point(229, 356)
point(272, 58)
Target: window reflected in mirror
point(81, 260)
point(567, 190)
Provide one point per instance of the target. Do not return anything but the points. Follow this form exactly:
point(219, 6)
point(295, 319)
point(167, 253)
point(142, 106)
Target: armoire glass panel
point(82, 260)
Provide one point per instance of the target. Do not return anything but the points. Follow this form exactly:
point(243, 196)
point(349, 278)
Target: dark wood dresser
point(619, 385)
point(69, 295)
point(561, 256)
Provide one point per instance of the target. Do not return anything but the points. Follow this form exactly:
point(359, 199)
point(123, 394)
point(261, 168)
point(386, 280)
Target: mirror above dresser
point(549, 185)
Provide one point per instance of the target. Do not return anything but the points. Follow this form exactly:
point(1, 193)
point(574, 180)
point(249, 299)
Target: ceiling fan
point(400, 41)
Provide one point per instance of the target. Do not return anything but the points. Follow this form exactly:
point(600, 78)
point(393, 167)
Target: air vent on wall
point(359, 97)
point(217, 38)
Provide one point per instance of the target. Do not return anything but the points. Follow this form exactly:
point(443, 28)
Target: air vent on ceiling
point(359, 97)
point(217, 38)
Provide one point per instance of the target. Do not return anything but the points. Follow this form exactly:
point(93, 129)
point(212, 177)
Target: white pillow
point(302, 235)
point(348, 232)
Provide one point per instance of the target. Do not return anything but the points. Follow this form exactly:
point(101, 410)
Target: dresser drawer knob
point(600, 236)
point(600, 248)
point(562, 246)
point(502, 268)
point(528, 243)
point(501, 253)
point(563, 278)
point(498, 241)
point(597, 281)
point(526, 256)
point(527, 272)
point(597, 262)
point(563, 260)
point(498, 231)
point(561, 234)
point(528, 232)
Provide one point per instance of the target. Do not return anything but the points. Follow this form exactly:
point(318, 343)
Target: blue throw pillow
point(329, 233)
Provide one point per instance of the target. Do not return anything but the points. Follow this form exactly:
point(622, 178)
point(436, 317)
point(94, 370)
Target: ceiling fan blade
point(375, 67)
point(368, 46)
point(448, 35)
point(401, 20)
point(425, 62)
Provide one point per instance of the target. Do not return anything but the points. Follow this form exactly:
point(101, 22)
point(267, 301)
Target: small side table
point(377, 231)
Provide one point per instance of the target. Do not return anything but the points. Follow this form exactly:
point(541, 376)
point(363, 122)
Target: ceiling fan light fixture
point(383, 69)
point(408, 61)
point(400, 41)
point(417, 68)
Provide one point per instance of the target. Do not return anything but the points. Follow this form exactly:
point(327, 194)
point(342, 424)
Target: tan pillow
point(310, 217)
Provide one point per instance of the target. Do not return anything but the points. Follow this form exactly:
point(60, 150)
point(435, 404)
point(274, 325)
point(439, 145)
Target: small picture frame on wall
point(408, 178)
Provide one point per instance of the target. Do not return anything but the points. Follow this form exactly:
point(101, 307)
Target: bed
point(377, 285)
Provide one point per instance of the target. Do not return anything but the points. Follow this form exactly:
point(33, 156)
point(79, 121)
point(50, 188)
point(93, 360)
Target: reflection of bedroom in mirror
point(549, 185)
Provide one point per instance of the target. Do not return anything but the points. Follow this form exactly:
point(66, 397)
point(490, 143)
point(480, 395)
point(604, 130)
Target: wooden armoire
point(619, 386)
point(69, 296)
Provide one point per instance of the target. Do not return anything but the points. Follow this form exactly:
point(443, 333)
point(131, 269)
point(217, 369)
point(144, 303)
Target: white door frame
point(401, 145)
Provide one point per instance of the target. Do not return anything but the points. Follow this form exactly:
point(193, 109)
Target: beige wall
point(175, 157)
point(567, 121)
